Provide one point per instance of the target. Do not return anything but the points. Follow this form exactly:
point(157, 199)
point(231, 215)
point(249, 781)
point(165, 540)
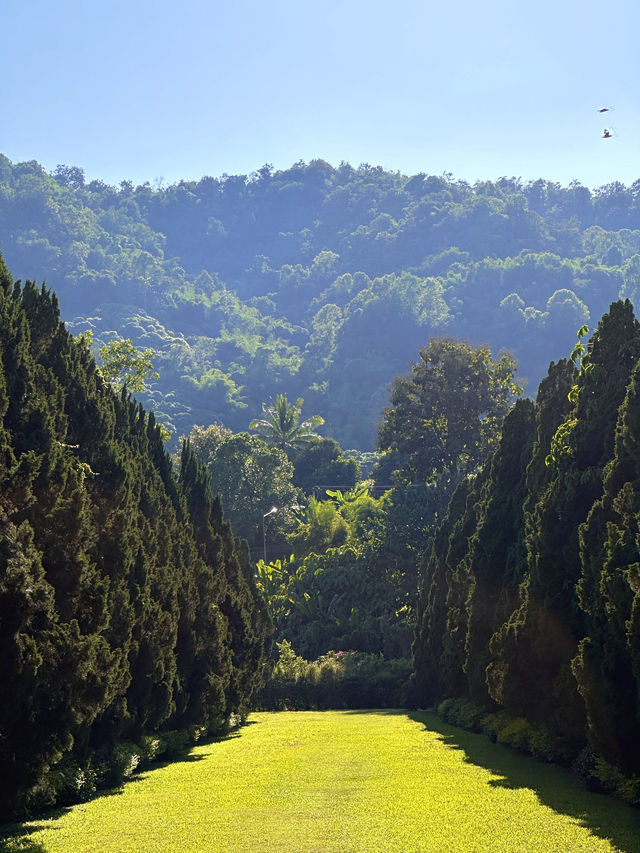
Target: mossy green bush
point(516, 734)
point(173, 744)
point(492, 724)
point(113, 766)
point(629, 790)
point(62, 785)
point(461, 712)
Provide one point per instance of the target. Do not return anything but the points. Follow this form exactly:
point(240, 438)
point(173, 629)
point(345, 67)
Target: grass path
point(342, 781)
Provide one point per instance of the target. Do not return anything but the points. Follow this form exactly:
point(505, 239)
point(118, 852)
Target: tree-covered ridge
point(126, 606)
point(529, 601)
point(317, 281)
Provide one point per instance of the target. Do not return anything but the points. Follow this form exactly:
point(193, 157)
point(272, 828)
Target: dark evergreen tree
point(497, 560)
point(124, 604)
point(432, 603)
point(607, 666)
point(321, 465)
point(508, 671)
point(549, 624)
point(459, 583)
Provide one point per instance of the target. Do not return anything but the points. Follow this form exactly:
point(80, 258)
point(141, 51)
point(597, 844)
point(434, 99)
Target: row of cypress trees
point(126, 605)
point(530, 601)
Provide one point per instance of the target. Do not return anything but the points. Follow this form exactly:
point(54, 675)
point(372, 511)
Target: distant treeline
point(530, 599)
point(317, 281)
point(127, 609)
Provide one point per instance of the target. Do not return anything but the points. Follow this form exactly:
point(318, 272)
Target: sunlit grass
point(343, 781)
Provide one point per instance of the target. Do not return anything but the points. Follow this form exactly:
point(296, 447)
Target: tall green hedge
point(126, 606)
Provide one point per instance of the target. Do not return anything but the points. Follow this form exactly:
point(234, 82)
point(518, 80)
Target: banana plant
point(272, 580)
point(341, 498)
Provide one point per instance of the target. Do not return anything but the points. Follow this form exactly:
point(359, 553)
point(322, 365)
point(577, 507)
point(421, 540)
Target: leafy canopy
point(447, 412)
point(125, 366)
point(280, 424)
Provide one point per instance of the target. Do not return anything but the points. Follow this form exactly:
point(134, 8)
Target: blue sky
point(148, 89)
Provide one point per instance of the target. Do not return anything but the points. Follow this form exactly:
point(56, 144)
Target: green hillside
point(318, 281)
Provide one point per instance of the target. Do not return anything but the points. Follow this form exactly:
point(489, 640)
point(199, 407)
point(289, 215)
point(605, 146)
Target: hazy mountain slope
point(318, 281)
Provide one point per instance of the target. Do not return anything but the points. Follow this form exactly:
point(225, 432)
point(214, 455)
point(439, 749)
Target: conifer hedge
point(127, 608)
point(530, 603)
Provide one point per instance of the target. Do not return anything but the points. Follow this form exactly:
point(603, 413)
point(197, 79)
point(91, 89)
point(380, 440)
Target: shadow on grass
point(554, 786)
point(15, 837)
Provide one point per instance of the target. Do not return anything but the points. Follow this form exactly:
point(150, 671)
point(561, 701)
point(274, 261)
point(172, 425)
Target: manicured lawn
point(342, 781)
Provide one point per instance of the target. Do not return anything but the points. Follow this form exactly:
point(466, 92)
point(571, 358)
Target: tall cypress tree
point(550, 623)
point(209, 666)
point(432, 608)
point(459, 584)
point(125, 605)
point(497, 563)
point(509, 671)
point(607, 666)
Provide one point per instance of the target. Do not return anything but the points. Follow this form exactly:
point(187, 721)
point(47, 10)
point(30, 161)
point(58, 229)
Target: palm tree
point(280, 426)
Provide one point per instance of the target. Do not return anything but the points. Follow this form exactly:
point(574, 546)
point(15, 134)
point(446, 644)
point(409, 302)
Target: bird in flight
point(607, 134)
point(604, 110)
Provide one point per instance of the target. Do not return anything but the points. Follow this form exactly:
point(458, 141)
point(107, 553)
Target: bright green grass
point(343, 781)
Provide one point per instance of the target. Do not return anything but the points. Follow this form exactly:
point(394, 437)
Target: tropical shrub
point(343, 679)
point(461, 712)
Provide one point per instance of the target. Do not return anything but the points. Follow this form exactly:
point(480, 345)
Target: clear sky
point(151, 89)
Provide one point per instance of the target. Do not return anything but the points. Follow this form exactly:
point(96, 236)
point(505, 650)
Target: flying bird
point(607, 134)
point(604, 110)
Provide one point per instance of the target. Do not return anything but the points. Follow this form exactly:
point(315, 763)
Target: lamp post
point(273, 510)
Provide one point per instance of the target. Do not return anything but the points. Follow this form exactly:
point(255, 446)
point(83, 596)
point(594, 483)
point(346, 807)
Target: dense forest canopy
point(317, 281)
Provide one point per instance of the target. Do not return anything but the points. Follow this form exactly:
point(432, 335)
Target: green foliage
point(272, 581)
point(322, 527)
point(125, 367)
point(606, 665)
point(534, 571)
point(515, 732)
point(126, 606)
point(447, 413)
point(561, 443)
point(322, 465)
point(322, 280)
point(461, 712)
point(116, 765)
point(280, 425)
point(343, 679)
point(250, 476)
point(497, 551)
point(351, 579)
point(205, 441)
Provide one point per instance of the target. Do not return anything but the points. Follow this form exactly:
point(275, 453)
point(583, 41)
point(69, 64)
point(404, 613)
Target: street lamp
point(273, 510)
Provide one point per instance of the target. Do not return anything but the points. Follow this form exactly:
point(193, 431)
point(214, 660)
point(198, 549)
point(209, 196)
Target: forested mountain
point(317, 281)
point(530, 600)
point(126, 606)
